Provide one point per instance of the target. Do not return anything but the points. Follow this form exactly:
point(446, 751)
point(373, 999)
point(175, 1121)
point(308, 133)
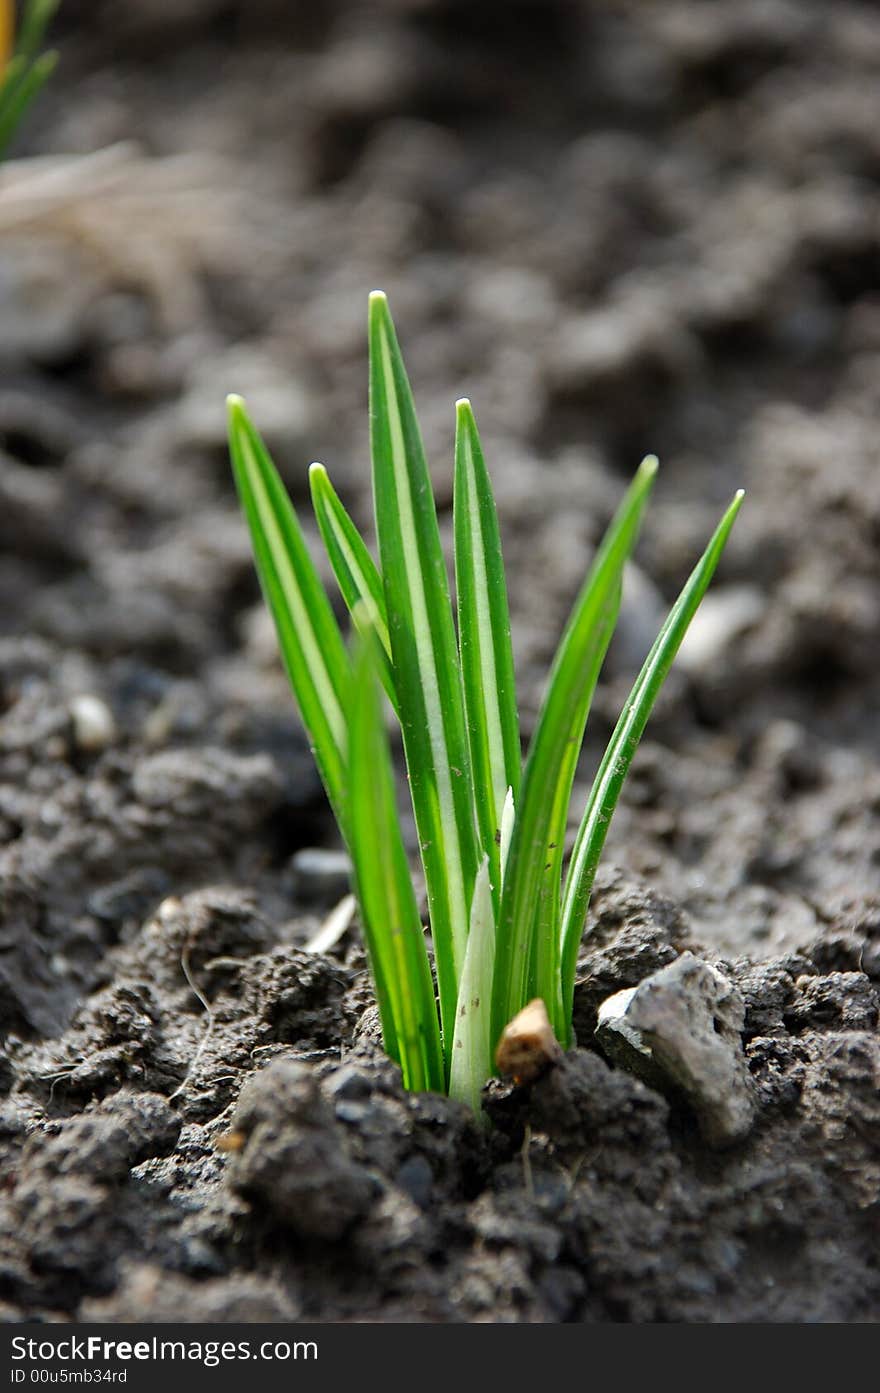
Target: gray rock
point(94, 728)
point(622, 1042)
point(320, 875)
point(724, 615)
point(682, 1026)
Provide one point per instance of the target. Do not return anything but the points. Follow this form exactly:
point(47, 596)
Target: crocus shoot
point(506, 912)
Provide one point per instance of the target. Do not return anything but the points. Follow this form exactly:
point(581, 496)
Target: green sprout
point(23, 69)
point(506, 917)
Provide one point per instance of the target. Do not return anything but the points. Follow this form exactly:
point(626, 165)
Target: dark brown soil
point(617, 227)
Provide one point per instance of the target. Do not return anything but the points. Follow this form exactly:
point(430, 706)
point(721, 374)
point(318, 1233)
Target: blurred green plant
point(505, 919)
point(23, 69)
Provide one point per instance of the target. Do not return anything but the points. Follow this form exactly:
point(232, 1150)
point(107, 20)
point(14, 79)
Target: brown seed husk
point(527, 1046)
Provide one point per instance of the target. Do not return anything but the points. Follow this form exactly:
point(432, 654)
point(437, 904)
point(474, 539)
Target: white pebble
point(93, 725)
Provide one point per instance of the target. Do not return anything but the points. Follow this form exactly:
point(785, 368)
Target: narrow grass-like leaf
point(527, 944)
point(425, 659)
point(311, 644)
point(22, 73)
point(621, 749)
point(471, 1063)
point(21, 84)
point(393, 931)
point(484, 638)
point(356, 573)
point(36, 19)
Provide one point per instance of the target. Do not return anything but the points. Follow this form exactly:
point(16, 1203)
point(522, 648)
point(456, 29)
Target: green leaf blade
point(619, 754)
point(356, 573)
point(484, 637)
point(528, 952)
point(311, 645)
point(37, 17)
point(22, 73)
point(393, 931)
point(20, 85)
point(425, 659)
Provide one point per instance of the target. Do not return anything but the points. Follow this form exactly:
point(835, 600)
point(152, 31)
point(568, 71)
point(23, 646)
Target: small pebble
point(320, 875)
point(723, 617)
point(94, 728)
point(682, 1028)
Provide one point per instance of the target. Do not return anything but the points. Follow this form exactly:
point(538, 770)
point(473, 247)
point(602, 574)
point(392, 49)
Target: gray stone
point(623, 1043)
point(724, 615)
point(682, 1027)
point(321, 875)
point(94, 728)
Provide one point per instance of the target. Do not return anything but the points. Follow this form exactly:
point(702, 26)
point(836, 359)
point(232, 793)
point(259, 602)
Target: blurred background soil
point(619, 228)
